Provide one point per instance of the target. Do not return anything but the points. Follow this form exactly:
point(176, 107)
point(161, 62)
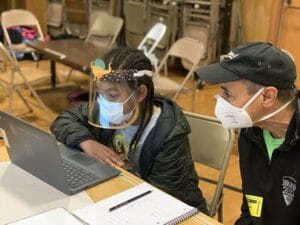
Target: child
point(124, 124)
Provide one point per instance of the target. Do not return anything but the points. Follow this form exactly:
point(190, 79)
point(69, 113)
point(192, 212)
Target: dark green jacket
point(165, 159)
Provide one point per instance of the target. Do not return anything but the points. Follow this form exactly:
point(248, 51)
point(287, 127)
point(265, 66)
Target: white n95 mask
point(232, 116)
point(235, 117)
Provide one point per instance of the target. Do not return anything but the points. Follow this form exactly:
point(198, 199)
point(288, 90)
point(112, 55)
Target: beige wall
point(39, 9)
point(256, 17)
point(290, 34)
point(261, 19)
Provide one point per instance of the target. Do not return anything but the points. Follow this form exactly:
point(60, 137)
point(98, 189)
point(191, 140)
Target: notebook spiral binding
point(182, 217)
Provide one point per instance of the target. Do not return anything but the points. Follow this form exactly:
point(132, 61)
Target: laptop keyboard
point(76, 176)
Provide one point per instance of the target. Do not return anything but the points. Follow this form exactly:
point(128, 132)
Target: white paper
point(58, 216)
point(23, 195)
point(155, 208)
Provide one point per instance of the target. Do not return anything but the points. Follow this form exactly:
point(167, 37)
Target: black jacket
point(277, 181)
point(165, 159)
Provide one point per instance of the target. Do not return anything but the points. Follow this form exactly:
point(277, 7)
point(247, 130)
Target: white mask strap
point(128, 97)
point(275, 112)
point(253, 98)
point(141, 73)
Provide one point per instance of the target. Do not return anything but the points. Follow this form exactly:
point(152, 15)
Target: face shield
point(113, 100)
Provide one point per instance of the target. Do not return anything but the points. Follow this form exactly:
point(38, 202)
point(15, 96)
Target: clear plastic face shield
point(113, 100)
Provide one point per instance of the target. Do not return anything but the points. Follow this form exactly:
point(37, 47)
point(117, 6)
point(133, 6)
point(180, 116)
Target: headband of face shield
point(113, 100)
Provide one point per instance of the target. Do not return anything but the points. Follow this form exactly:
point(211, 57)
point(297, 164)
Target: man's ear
point(270, 95)
point(142, 92)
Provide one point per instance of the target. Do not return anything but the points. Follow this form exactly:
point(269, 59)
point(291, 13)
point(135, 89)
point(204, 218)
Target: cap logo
point(231, 55)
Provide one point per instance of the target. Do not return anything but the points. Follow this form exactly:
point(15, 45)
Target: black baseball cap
point(259, 62)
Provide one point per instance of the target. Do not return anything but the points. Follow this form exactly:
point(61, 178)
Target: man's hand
point(101, 152)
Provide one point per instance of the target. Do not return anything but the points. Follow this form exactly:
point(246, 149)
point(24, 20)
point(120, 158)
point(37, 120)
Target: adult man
point(257, 93)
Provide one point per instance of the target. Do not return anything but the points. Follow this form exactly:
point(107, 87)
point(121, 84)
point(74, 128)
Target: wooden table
point(72, 52)
point(121, 183)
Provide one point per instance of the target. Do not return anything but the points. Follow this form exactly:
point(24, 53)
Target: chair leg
point(11, 89)
point(166, 69)
point(3, 88)
point(220, 212)
point(41, 104)
point(10, 98)
point(69, 75)
point(186, 79)
point(24, 101)
point(193, 93)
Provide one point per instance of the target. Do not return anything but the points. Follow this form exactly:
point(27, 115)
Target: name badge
point(255, 204)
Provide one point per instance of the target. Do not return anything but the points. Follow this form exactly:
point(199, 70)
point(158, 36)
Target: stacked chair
point(141, 15)
point(136, 21)
point(77, 17)
point(166, 12)
point(200, 21)
point(56, 18)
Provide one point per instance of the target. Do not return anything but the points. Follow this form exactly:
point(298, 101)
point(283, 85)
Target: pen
point(129, 200)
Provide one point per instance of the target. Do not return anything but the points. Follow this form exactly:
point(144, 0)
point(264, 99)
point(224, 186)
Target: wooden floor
point(58, 101)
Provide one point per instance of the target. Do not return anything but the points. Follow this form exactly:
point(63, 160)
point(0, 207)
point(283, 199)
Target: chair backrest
point(155, 34)
point(19, 17)
point(189, 50)
point(105, 30)
point(185, 48)
point(211, 145)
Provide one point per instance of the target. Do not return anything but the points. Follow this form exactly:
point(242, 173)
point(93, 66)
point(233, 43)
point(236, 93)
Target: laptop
point(37, 152)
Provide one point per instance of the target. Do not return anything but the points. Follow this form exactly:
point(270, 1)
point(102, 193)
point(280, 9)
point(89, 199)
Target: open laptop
point(37, 152)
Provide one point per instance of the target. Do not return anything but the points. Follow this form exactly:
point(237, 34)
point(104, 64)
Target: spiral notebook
point(142, 204)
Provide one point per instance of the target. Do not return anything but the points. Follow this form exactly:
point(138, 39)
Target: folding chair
point(166, 11)
point(184, 48)
point(154, 36)
point(103, 32)
point(211, 145)
point(18, 79)
point(20, 17)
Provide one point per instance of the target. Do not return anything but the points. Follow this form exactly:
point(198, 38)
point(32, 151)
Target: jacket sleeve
point(173, 172)
point(72, 127)
point(245, 218)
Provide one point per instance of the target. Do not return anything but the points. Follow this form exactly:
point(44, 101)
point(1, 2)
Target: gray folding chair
point(211, 145)
point(105, 30)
